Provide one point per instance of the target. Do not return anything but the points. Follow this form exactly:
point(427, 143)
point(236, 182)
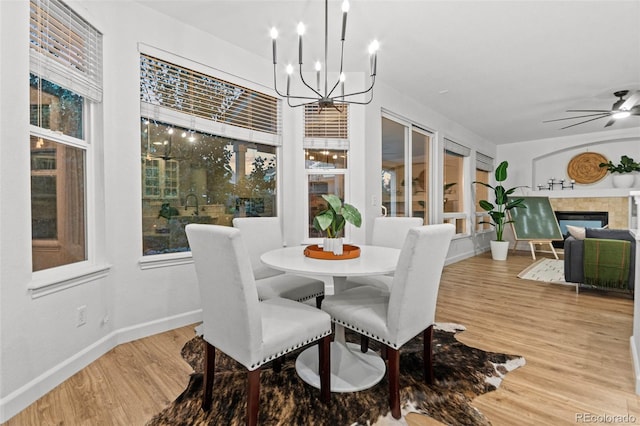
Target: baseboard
point(26, 395)
point(636, 363)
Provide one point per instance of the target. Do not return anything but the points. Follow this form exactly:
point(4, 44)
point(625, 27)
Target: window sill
point(54, 282)
point(165, 260)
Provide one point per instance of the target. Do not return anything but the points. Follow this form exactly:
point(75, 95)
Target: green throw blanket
point(606, 263)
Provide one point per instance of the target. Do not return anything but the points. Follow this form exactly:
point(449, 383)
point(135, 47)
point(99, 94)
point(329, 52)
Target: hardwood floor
point(576, 347)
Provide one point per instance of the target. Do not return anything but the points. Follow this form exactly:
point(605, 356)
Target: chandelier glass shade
point(324, 94)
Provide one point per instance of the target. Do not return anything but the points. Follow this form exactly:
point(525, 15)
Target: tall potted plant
point(498, 211)
point(623, 173)
point(332, 221)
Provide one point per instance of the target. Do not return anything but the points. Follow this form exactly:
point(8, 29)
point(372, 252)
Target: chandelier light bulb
point(342, 77)
point(373, 47)
point(301, 29)
point(318, 66)
point(184, 134)
point(289, 69)
point(170, 131)
point(273, 33)
point(345, 6)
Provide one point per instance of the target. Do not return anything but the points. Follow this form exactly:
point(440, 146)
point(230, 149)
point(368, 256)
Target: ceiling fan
point(622, 108)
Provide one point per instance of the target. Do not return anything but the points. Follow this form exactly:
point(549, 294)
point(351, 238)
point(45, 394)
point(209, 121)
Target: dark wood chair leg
point(393, 368)
point(364, 344)
point(319, 300)
point(427, 355)
point(253, 396)
point(324, 369)
point(209, 371)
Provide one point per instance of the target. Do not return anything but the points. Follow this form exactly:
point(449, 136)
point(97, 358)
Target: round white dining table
point(351, 369)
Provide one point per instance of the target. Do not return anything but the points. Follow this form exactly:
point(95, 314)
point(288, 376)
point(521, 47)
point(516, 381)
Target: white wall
point(535, 162)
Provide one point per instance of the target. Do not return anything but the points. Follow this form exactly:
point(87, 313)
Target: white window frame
point(89, 85)
point(465, 214)
point(484, 163)
point(198, 124)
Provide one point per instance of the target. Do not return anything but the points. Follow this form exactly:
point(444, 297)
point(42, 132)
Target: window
point(405, 169)
point(326, 142)
point(68, 51)
point(208, 153)
point(454, 209)
point(484, 166)
point(326, 170)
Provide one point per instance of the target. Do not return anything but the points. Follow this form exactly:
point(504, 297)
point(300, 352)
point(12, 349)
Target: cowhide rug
point(461, 374)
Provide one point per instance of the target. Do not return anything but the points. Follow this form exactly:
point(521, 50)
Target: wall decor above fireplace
point(585, 168)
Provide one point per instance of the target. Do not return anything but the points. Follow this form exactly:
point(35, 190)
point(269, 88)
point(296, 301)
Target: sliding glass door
point(405, 169)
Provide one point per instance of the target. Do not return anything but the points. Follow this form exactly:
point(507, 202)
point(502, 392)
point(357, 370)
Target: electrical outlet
point(81, 318)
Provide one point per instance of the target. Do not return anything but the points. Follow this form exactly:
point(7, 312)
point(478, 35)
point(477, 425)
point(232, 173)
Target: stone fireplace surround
point(617, 207)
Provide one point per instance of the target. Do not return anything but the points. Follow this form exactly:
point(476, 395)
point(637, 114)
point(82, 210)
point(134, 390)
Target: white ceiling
point(499, 68)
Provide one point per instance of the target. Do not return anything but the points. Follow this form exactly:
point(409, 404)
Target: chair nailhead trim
point(290, 349)
point(365, 333)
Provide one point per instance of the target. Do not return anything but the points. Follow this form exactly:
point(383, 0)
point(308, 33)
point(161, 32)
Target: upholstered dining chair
point(260, 235)
point(236, 322)
point(395, 316)
point(387, 232)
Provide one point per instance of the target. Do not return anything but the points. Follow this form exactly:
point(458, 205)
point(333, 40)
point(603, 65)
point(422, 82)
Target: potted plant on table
point(623, 173)
point(333, 220)
point(498, 211)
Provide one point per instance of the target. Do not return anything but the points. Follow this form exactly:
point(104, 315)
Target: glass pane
point(453, 169)
point(57, 204)
point(482, 193)
point(325, 159)
point(318, 186)
point(55, 108)
point(193, 177)
point(393, 170)
point(420, 171)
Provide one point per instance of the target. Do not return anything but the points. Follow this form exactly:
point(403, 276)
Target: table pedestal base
point(351, 370)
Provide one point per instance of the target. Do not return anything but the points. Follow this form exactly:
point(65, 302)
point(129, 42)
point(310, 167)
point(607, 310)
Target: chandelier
point(327, 96)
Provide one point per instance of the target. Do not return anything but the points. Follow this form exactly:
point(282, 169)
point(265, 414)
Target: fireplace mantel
point(584, 193)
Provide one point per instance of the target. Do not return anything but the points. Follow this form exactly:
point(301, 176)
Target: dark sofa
point(574, 251)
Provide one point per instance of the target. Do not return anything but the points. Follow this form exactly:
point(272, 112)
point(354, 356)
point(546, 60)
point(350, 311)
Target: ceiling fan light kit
point(621, 109)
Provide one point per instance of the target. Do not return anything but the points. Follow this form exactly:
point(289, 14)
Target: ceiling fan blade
point(610, 122)
point(582, 122)
point(630, 102)
point(601, 114)
point(588, 110)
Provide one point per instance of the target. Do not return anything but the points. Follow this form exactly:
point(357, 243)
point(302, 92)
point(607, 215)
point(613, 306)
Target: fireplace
point(583, 219)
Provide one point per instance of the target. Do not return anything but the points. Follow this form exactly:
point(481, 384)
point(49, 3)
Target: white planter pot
point(334, 245)
point(499, 250)
point(625, 180)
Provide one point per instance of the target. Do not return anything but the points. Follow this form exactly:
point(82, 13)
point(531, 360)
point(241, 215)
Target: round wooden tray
point(348, 252)
point(585, 167)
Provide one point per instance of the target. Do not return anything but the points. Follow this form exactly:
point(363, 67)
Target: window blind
point(484, 162)
point(326, 123)
point(456, 148)
point(171, 86)
point(65, 49)
point(326, 128)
